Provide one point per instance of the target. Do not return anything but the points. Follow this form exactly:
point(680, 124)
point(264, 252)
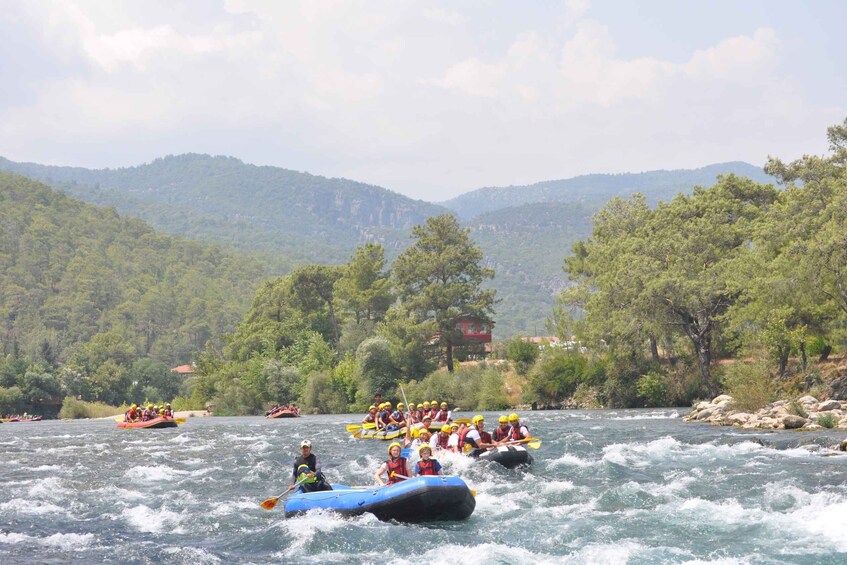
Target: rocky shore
point(805, 413)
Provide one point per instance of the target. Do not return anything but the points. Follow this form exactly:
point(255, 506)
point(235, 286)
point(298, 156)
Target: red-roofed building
point(183, 370)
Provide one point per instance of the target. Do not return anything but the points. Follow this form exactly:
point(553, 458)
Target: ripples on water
point(627, 486)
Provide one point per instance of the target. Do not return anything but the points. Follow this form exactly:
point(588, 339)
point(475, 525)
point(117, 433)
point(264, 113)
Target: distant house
point(183, 370)
point(544, 342)
point(473, 330)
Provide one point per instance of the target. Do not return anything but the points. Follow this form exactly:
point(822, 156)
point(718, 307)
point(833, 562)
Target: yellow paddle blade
point(463, 421)
point(119, 419)
point(180, 420)
point(369, 425)
point(270, 503)
point(534, 444)
point(357, 433)
point(473, 492)
point(353, 427)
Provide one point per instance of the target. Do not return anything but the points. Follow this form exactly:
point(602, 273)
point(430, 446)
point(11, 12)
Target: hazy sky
point(429, 99)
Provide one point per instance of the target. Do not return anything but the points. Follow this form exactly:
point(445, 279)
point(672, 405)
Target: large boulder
point(843, 445)
point(808, 400)
point(838, 389)
point(722, 398)
point(829, 405)
point(792, 422)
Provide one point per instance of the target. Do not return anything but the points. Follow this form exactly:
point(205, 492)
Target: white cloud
point(423, 100)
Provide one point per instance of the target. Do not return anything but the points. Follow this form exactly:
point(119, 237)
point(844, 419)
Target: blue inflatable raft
point(421, 499)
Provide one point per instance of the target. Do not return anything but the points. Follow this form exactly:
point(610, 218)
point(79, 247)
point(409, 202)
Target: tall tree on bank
point(440, 278)
point(673, 269)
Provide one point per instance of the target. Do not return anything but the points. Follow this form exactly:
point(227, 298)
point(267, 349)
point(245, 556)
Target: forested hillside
point(81, 283)
point(288, 218)
point(595, 190)
point(292, 215)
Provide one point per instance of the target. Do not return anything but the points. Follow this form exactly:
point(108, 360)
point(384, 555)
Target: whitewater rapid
point(616, 487)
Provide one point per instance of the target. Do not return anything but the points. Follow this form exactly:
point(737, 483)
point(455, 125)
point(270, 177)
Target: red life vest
point(397, 466)
point(426, 467)
point(462, 435)
point(515, 433)
point(441, 416)
point(433, 413)
point(442, 441)
point(500, 434)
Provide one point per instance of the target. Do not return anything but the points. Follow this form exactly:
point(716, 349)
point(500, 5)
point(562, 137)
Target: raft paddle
point(462, 421)
point(270, 503)
point(530, 442)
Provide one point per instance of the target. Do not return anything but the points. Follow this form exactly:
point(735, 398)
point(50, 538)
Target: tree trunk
point(827, 349)
point(783, 360)
point(450, 356)
point(803, 353)
point(654, 350)
point(333, 321)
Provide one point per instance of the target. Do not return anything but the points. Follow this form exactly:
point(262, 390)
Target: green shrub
point(749, 384)
point(653, 389)
point(827, 420)
point(11, 400)
point(796, 407)
point(180, 403)
point(74, 409)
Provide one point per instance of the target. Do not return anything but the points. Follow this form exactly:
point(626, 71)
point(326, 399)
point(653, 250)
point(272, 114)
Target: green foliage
point(11, 400)
point(750, 386)
point(828, 420)
point(796, 407)
point(556, 375)
point(522, 353)
point(73, 409)
point(321, 396)
point(653, 389)
point(180, 403)
point(469, 388)
point(376, 365)
point(440, 278)
point(284, 383)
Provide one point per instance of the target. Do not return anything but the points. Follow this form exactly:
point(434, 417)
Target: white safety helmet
point(306, 443)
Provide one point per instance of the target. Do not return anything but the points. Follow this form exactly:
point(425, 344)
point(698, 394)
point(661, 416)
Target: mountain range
point(286, 217)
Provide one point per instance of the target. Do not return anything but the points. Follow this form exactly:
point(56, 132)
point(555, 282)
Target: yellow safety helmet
point(133, 406)
point(513, 417)
point(420, 405)
point(381, 405)
point(426, 403)
point(424, 432)
point(503, 419)
point(149, 406)
point(416, 432)
point(444, 405)
point(434, 403)
point(394, 444)
point(477, 419)
point(446, 428)
point(424, 446)
point(371, 407)
point(387, 404)
point(400, 405)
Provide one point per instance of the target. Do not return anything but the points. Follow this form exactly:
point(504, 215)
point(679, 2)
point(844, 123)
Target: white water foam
point(649, 416)
point(191, 555)
point(568, 460)
point(33, 507)
point(153, 473)
point(302, 529)
point(67, 542)
point(145, 519)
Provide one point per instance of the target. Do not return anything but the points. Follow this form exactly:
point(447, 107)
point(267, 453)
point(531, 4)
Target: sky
point(429, 99)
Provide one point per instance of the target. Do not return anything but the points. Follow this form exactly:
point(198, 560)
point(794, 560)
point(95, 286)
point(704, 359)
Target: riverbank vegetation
point(739, 287)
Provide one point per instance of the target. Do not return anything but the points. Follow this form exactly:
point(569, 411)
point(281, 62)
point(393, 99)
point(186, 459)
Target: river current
point(627, 486)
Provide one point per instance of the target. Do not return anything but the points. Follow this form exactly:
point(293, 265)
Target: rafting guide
point(307, 472)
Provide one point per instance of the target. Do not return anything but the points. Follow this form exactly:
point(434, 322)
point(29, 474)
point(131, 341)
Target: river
point(627, 486)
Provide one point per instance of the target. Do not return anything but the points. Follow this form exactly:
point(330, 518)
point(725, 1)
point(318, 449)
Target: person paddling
point(501, 432)
point(396, 466)
point(518, 430)
point(307, 469)
point(476, 437)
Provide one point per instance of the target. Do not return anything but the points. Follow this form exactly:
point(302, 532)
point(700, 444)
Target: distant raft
point(421, 499)
point(155, 423)
point(509, 456)
point(285, 413)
